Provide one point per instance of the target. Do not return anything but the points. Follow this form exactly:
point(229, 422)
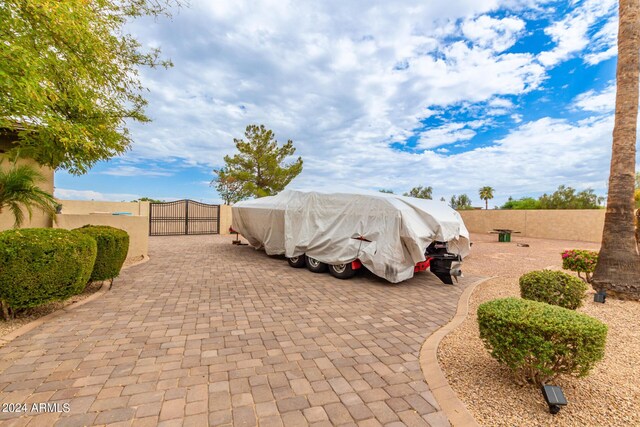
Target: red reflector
point(356, 264)
point(422, 266)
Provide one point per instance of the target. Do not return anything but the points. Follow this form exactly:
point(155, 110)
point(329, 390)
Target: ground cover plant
point(539, 341)
point(39, 265)
point(553, 287)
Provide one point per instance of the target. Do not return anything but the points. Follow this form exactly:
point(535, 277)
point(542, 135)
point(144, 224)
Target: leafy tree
point(69, 78)
point(19, 190)
point(259, 166)
point(486, 194)
point(618, 268)
point(420, 192)
point(524, 203)
point(567, 198)
point(229, 188)
point(148, 199)
point(461, 202)
point(384, 190)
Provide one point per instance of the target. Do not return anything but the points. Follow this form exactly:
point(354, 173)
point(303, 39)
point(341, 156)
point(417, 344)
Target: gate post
point(186, 217)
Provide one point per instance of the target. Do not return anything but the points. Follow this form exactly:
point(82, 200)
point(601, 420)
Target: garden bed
point(31, 314)
point(610, 395)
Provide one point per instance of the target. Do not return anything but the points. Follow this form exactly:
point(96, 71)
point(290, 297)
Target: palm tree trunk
point(618, 269)
point(486, 204)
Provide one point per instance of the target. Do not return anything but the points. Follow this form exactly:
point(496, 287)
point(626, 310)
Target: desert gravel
point(609, 396)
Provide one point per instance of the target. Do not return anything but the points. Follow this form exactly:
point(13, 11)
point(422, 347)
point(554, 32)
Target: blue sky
point(515, 94)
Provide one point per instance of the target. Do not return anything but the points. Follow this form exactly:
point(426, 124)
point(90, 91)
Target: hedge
point(539, 341)
point(553, 287)
point(38, 265)
point(113, 245)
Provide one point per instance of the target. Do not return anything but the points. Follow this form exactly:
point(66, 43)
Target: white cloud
point(321, 74)
point(571, 34)
point(604, 43)
point(447, 134)
point(343, 80)
point(599, 102)
point(135, 171)
point(69, 194)
point(496, 34)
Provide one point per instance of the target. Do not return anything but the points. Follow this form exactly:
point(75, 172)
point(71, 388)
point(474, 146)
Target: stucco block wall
point(136, 226)
point(225, 219)
point(39, 219)
point(570, 224)
point(84, 207)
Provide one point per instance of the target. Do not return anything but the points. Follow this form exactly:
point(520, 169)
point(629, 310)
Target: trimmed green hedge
point(38, 265)
point(553, 287)
point(113, 245)
point(539, 341)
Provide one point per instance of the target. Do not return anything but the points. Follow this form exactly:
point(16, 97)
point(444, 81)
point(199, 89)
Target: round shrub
point(539, 341)
point(113, 245)
point(38, 265)
point(553, 287)
point(581, 261)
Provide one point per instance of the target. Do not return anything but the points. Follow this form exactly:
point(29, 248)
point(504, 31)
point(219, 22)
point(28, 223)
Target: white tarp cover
point(325, 226)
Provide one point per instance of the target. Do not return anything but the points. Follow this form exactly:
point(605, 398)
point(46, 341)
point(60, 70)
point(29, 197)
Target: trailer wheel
point(296, 261)
point(342, 271)
point(315, 265)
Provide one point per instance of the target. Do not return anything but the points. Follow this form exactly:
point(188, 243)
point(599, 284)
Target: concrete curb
point(41, 320)
point(453, 408)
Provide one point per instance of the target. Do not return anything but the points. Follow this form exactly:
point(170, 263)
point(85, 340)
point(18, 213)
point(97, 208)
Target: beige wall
point(89, 206)
point(570, 224)
point(39, 219)
point(225, 219)
point(136, 226)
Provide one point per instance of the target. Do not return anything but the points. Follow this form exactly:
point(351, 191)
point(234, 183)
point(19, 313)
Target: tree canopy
point(259, 169)
point(563, 198)
point(420, 192)
point(69, 78)
point(229, 188)
point(486, 194)
point(461, 202)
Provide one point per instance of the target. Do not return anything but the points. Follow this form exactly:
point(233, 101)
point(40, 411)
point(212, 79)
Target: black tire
point(297, 261)
point(315, 265)
point(342, 271)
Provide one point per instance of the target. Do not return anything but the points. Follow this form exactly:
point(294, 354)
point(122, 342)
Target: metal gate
point(183, 217)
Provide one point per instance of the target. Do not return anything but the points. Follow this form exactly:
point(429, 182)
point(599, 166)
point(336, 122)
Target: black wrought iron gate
point(183, 217)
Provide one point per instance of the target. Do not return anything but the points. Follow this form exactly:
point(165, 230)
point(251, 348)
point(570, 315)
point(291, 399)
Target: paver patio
point(208, 333)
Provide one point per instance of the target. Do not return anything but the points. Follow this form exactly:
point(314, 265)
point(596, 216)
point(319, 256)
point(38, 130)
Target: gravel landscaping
point(609, 396)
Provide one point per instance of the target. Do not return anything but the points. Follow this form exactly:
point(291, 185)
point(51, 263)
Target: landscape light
point(600, 297)
point(554, 397)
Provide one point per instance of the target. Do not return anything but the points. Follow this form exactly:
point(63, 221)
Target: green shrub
point(553, 287)
point(113, 245)
point(38, 265)
point(580, 261)
point(539, 341)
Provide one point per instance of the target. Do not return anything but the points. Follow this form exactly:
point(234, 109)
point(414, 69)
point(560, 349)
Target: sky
point(459, 94)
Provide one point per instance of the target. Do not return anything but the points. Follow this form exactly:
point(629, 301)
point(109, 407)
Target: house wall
point(570, 224)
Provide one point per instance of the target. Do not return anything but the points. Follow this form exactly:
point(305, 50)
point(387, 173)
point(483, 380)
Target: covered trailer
point(392, 236)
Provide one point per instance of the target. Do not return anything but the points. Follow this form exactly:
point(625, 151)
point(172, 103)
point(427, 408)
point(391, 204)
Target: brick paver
point(208, 332)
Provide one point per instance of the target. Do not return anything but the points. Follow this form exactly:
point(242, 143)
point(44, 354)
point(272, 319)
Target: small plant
point(113, 245)
point(39, 265)
point(19, 191)
point(580, 261)
point(553, 287)
point(538, 341)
